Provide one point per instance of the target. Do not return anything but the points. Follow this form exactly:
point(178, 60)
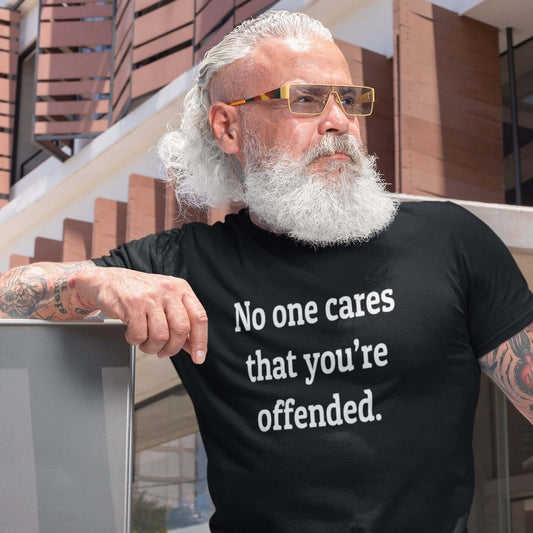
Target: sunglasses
point(312, 99)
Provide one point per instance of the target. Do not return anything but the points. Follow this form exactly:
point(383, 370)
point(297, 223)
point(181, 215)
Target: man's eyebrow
point(308, 88)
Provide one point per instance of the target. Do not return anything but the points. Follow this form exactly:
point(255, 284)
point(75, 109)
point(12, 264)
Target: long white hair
point(200, 172)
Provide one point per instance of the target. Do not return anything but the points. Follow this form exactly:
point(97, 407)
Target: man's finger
point(137, 331)
point(198, 332)
point(158, 332)
point(178, 327)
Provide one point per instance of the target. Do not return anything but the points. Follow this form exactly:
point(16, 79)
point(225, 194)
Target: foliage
point(147, 516)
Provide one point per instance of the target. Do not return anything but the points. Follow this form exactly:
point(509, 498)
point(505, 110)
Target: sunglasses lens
point(356, 100)
point(308, 99)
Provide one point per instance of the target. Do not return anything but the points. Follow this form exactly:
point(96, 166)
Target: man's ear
point(226, 126)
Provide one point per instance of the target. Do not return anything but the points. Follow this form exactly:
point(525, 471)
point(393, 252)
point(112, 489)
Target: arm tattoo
point(510, 366)
point(19, 299)
point(41, 291)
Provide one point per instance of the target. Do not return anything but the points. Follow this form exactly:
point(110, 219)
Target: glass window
point(26, 155)
point(523, 54)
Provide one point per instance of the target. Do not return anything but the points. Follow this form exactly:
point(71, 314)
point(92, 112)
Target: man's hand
point(162, 313)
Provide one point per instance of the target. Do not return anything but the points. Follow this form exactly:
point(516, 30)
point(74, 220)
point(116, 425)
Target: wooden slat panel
point(213, 40)
point(5, 162)
point(6, 122)
point(163, 43)
point(157, 74)
point(77, 33)
point(67, 127)
point(7, 32)
point(124, 48)
point(65, 107)
point(163, 20)
point(123, 59)
point(109, 227)
point(8, 15)
point(47, 250)
point(448, 118)
point(7, 43)
point(5, 143)
point(141, 5)
point(76, 12)
point(209, 17)
point(65, 68)
point(121, 81)
point(83, 88)
point(77, 240)
point(200, 4)
point(146, 206)
point(121, 6)
point(16, 260)
point(123, 101)
point(9, 26)
point(68, 2)
point(4, 182)
point(124, 30)
point(425, 179)
point(462, 147)
point(7, 108)
point(73, 66)
point(250, 8)
point(8, 89)
point(8, 62)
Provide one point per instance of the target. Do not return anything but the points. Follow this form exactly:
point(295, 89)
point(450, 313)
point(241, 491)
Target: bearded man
point(346, 332)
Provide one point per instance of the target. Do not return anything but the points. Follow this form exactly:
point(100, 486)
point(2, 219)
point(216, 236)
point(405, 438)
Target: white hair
point(200, 172)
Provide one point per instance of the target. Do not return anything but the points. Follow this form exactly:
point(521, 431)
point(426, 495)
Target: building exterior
point(88, 87)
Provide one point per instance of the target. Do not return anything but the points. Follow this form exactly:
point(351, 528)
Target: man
point(346, 333)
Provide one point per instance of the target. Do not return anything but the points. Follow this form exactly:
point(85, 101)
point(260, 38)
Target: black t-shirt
point(340, 384)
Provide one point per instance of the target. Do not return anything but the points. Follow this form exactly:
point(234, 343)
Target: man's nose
point(334, 119)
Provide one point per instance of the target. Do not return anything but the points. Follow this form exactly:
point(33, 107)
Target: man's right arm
point(162, 313)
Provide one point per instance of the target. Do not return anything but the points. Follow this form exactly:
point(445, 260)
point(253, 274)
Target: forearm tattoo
point(42, 291)
point(511, 367)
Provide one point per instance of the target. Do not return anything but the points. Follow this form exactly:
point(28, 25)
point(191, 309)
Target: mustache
point(335, 144)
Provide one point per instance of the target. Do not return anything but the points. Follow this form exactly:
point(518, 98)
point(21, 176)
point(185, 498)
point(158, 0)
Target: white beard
point(343, 204)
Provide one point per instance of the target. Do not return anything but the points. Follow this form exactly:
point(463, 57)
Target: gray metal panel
point(66, 407)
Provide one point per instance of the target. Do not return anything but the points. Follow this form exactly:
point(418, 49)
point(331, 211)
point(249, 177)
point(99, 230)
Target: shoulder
point(433, 209)
point(440, 216)
point(200, 234)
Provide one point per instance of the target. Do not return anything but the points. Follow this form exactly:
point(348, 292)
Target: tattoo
point(41, 291)
point(19, 297)
point(510, 366)
point(521, 347)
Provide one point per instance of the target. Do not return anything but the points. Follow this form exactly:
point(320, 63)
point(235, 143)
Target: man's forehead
point(277, 61)
point(287, 52)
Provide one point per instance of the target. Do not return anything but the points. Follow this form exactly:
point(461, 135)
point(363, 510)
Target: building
point(88, 87)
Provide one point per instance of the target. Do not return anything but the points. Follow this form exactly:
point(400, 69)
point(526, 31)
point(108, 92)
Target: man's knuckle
point(182, 330)
point(136, 338)
point(201, 318)
point(160, 337)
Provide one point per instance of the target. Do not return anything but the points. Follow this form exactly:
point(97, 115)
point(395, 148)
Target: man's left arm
point(510, 366)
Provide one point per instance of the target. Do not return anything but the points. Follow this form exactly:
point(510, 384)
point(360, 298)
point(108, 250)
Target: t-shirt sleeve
point(146, 254)
point(499, 301)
